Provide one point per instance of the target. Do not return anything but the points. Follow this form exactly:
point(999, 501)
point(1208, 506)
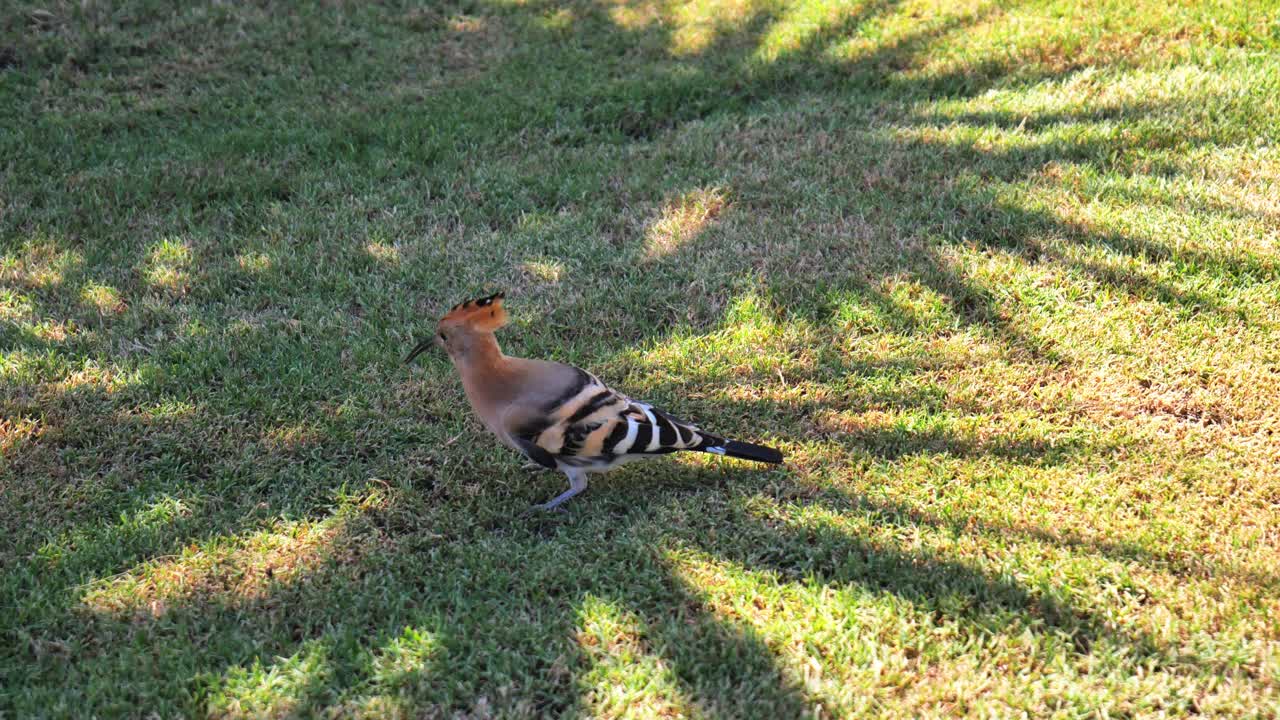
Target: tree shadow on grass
point(506, 619)
point(489, 608)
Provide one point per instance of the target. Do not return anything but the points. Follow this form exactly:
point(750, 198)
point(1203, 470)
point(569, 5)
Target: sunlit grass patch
point(868, 562)
point(700, 23)
point(255, 262)
point(292, 437)
point(626, 680)
point(15, 306)
point(282, 688)
point(635, 14)
point(754, 343)
point(548, 271)
point(239, 571)
point(39, 262)
point(869, 656)
point(105, 299)
point(168, 266)
point(411, 654)
point(1248, 177)
point(683, 220)
point(49, 375)
point(800, 23)
point(170, 409)
point(383, 252)
point(14, 431)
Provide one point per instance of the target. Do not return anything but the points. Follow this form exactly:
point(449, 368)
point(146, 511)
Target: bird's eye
point(442, 337)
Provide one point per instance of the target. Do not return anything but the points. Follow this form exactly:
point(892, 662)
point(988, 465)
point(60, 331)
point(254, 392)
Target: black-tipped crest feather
point(481, 301)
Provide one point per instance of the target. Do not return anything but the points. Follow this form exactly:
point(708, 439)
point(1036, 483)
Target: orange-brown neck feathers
point(485, 314)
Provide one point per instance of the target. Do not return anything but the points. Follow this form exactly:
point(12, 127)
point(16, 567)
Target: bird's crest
point(484, 313)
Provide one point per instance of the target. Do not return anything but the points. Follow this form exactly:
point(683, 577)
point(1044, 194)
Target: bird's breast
point(488, 403)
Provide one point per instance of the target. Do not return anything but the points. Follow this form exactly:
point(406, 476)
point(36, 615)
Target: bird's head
point(458, 329)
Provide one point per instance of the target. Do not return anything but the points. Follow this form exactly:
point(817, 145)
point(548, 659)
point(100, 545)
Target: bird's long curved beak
point(418, 350)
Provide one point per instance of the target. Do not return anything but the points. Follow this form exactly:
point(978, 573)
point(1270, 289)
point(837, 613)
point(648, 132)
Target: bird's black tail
point(742, 450)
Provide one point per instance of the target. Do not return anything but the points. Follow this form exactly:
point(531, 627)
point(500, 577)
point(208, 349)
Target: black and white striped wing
point(592, 426)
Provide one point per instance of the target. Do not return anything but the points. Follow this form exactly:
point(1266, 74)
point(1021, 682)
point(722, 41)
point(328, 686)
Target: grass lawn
point(1002, 277)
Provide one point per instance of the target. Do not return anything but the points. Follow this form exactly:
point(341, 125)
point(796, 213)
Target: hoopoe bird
point(560, 416)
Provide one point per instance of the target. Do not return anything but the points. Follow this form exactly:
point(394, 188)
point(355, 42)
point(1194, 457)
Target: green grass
point(1002, 278)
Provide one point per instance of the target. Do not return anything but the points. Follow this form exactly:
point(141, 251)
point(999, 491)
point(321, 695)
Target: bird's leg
point(577, 483)
point(533, 467)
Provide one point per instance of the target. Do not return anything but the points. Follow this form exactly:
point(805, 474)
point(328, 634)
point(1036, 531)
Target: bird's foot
point(577, 483)
point(534, 467)
point(548, 510)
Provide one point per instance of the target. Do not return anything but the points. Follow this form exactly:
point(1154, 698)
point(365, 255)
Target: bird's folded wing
point(587, 423)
